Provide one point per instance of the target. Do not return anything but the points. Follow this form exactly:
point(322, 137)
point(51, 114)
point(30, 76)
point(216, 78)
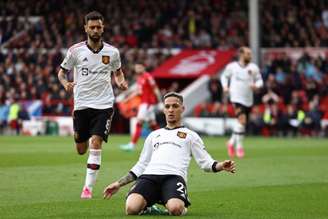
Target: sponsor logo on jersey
point(181, 134)
point(86, 71)
point(166, 142)
point(105, 59)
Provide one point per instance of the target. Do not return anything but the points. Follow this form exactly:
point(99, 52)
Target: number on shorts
point(181, 188)
point(107, 126)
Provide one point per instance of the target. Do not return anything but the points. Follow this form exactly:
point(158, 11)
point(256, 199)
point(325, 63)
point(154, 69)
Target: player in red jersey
point(150, 96)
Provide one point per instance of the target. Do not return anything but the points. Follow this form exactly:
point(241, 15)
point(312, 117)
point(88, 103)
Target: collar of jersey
point(167, 128)
point(95, 51)
point(242, 65)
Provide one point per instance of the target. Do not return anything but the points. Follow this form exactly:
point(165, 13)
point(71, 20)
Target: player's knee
point(175, 208)
point(96, 142)
point(132, 209)
point(81, 148)
point(242, 119)
point(81, 152)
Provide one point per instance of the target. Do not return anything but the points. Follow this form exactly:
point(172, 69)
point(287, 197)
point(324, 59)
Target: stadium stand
point(34, 36)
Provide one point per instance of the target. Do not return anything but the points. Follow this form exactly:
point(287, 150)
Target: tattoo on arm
point(62, 76)
point(126, 179)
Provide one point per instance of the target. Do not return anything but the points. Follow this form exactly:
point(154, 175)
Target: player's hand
point(229, 166)
point(226, 91)
point(160, 106)
point(111, 189)
point(253, 87)
point(123, 85)
point(69, 86)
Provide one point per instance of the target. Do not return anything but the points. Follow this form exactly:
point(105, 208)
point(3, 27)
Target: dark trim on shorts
point(243, 109)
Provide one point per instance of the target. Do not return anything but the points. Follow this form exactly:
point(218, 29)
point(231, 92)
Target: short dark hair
point(94, 15)
point(174, 94)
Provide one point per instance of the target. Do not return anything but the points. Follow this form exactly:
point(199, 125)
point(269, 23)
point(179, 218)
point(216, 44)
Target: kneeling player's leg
point(174, 195)
point(135, 204)
point(144, 193)
point(176, 207)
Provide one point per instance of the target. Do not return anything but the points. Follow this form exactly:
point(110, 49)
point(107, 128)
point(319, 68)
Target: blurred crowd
point(165, 24)
point(294, 23)
point(136, 24)
point(34, 35)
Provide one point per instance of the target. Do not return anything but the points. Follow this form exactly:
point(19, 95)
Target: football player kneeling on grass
point(161, 172)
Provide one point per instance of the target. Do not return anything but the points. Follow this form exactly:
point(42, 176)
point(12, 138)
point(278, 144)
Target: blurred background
point(185, 44)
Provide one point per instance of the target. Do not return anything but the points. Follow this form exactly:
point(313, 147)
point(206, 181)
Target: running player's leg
point(233, 139)
point(240, 133)
point(152, 118)
point(240, 128)
point(81, 130)
point(93, 166)
point(141, 117)
point(99, 128)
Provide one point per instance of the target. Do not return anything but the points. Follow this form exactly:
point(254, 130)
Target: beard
point(95, 38)
point(247, 60)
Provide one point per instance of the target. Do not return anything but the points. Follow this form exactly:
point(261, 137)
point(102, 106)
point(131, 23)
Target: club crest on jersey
point(105, 59)
point(181, 134)
point(249, 72)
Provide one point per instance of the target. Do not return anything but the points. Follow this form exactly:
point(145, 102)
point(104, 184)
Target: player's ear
point(85, 28)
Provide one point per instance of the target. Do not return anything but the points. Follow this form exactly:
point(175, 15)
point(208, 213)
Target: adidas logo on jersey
point(85, 59)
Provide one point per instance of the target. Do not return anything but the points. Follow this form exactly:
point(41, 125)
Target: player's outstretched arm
point(227, 165)
point(111, 189)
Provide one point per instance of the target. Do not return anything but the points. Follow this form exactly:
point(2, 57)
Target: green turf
point(41, 177)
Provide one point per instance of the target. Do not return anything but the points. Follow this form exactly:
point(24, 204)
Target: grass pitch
point(42, 177)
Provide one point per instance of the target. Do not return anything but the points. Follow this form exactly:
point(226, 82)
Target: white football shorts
point(146, 112)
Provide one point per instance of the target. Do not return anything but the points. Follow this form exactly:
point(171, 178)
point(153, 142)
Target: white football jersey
point(92, 74)
point(169, 151)
point(241, 78)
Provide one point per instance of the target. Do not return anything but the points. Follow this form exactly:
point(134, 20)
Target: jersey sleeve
point(116, 61)
point(144, 158)
point(69, 61)
point(258, 81)
point(226, 75)
point(202, 157)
